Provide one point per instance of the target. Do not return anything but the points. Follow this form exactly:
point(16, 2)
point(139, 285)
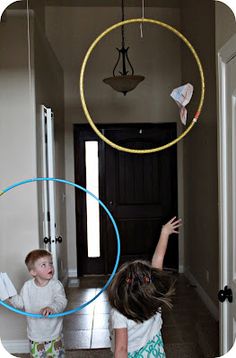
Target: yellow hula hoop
point(182, 135)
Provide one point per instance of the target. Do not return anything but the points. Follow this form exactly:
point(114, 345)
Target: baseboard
point(73, 282)
point(213, 309)
point(65, 278)
point(72, 273)
point(12, 346)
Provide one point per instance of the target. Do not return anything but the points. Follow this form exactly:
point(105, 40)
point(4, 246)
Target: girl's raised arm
point(169, 228)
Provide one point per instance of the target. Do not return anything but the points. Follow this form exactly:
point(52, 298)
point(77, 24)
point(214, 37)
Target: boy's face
point(43, 268)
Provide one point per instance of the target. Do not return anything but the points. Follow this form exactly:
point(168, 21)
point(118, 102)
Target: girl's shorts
point(50, 349)
point(153, 348)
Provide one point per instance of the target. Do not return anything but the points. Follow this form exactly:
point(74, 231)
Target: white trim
point(45, 206)
point(181, 268)
point(224, 56)
point(12, 346)
point(51, 187)
point(73, 282)
point(223, 202)
point(72, 273)
point(213, 309)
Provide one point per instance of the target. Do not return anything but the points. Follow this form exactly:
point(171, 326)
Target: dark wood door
point(139, 190)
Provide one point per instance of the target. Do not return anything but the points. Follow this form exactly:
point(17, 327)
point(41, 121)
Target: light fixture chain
point(122, 27)
point(143, 16)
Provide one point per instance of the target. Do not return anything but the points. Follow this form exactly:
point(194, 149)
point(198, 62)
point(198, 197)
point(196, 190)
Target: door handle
point(224, 294)
point(59, 239)
point(47, 240)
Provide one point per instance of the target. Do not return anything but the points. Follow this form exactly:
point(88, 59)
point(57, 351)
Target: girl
point(136, 295)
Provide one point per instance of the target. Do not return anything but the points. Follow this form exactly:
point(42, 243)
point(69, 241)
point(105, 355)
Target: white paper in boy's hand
point(7, 288)
point(182, 95)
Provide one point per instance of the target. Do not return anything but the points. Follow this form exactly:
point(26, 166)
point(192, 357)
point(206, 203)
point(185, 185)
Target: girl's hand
point(172, 226)
point(169, 228)
point(46, 311)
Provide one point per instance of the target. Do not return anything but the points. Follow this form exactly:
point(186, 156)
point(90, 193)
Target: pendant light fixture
point(123, 79)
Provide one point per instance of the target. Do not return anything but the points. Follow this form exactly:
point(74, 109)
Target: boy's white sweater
point(32, 299)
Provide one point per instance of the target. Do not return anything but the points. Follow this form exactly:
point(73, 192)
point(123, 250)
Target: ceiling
point(111, 3)
point(101, 3)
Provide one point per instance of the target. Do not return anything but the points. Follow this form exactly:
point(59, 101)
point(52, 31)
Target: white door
point(51, 240)
point(227, 193)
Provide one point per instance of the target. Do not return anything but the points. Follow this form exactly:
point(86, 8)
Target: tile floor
point(189, 331)
point(87, 328)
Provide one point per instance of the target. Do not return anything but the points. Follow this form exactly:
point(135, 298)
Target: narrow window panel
point(92, 206)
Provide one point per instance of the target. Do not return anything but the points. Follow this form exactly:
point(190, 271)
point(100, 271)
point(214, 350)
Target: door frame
point(225, 54)
point(48, 170)
point(180, 179)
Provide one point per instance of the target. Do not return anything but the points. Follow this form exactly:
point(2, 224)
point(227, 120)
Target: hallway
point(189, 331)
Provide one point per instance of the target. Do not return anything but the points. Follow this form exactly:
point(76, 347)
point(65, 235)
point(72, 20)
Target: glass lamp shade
point(125, 83)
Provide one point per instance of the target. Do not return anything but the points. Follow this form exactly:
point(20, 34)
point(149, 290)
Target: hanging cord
point(143, 15)
point(29, 49)
point(122, 27)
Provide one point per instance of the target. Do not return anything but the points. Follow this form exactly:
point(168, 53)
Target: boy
point(46, 296)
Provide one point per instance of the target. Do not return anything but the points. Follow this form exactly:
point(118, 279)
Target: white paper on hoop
point(231, 4)
point(182, 96)
point(4, 4)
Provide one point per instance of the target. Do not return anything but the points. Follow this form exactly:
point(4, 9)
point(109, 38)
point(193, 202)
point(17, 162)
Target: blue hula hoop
point(117, 256)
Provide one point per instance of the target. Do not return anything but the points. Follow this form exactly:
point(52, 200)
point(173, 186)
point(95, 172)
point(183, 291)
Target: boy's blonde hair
point(34, 255)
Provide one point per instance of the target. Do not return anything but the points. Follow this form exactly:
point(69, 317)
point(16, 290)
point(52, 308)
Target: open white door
point(49, 200)
point(227, 193)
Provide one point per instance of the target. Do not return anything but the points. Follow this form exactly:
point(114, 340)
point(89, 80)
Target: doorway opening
point(140, 191)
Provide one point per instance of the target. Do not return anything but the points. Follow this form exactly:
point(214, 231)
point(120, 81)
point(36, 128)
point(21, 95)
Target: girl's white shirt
point(32, 299)
point(138, 333)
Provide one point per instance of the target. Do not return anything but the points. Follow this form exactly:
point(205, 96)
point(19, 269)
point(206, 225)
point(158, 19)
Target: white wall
point(18, 219)
point(156, 56)
point(19, 153)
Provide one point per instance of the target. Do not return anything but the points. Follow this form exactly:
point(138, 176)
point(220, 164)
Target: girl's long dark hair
point(139, 290)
